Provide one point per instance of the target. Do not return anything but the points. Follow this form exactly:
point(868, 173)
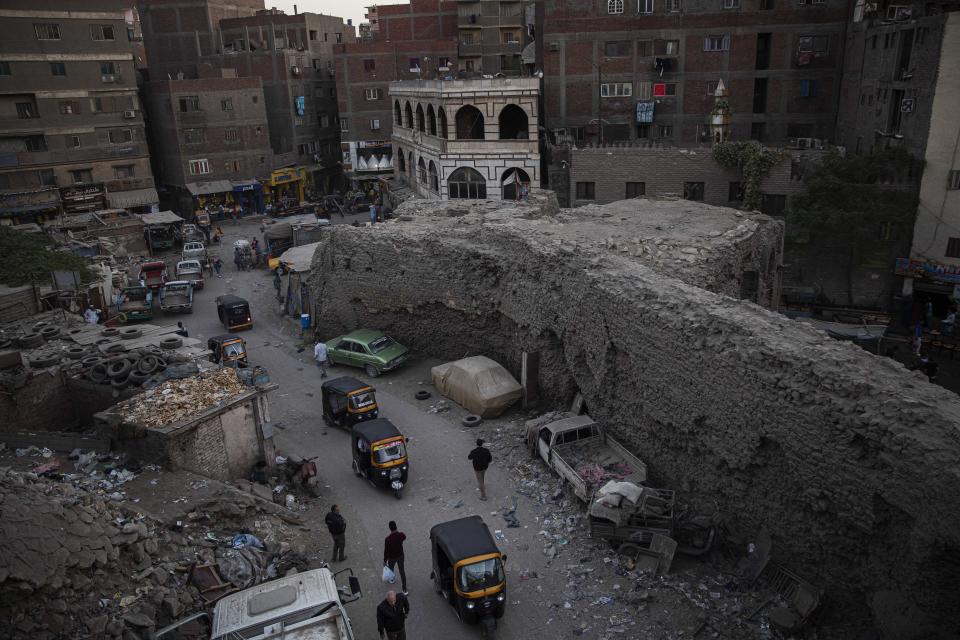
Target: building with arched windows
point(470, 139)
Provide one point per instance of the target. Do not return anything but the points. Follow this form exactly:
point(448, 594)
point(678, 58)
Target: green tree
point(28, 258)
point(754, 162)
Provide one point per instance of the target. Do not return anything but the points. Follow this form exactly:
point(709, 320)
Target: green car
point(373, 350)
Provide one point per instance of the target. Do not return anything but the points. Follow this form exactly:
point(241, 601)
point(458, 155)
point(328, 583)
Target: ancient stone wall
point(849, 460)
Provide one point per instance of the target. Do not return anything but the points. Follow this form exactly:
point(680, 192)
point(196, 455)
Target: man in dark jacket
point(391, 615)
point(481, 459)
point(393, 553)
point(338, 528)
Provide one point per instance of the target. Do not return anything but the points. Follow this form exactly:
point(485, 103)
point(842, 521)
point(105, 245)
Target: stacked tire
point(121, 370)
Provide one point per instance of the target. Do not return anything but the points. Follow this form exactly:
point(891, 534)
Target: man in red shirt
point(393, 553)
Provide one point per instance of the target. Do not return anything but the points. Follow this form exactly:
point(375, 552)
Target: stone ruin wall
point(851, 462)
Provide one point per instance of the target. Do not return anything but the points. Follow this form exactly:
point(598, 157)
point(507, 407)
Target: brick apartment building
point(72, 136)
point(212, 144)
point(648, 70)
point(293, 55)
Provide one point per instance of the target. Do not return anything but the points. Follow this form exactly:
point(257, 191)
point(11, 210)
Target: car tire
point(371, 370)
point(76, 353)
point(471, 420)
point(119, 369)
point(30, 340)
point(171, 343)
point(147, 365)
point(111, 332)
point(130, 333)
point(98, 372)
point(90, 361)
point(116, 347)
point(50, 333)
point(41, 360)
point(423, 394)
point(120, 383)
point(136, 378)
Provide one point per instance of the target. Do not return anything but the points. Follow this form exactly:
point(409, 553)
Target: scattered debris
point(175, 400)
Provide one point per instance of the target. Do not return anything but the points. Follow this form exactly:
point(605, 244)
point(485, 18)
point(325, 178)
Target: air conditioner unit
point(107, 78)
point(130, 114)
point(554, 46)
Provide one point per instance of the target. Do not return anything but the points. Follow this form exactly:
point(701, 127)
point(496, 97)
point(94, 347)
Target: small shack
point(161, 229)
point(294, 290)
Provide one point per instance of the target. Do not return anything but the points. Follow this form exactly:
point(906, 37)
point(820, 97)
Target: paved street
point(439, 468)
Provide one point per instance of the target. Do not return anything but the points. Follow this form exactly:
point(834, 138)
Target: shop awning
point(205, 188)
point(161, 217)
point(27, 208)
point(134, 198)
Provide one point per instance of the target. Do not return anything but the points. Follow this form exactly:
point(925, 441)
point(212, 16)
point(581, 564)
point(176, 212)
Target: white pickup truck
point(579, 451)
point(303, 606)
point(177, 296)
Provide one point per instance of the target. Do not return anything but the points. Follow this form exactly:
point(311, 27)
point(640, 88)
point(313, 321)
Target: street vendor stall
point(161, 230)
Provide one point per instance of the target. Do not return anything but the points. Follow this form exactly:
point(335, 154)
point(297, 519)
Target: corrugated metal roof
point(299, 258)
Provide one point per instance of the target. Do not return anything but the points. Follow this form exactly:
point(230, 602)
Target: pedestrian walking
point(391, 615)
point(237, 259)
point(181, 330)
point(217, 266)
point(481, 458)
point(338, 529)
point(373, 213)
point(320, 355)
point(277, 282)
point(393, 553)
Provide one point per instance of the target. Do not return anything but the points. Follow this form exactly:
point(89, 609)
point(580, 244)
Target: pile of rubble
point(78, 565)
point(175, 400)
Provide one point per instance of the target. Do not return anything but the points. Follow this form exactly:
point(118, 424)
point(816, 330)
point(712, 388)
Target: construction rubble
point(175, 400)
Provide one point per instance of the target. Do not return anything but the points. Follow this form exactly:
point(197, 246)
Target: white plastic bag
point(389, 575)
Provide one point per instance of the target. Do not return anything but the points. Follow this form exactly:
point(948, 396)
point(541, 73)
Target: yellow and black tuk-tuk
point(234, 312)
point(347, 401)
point(380, 454)
point(228, 349)
point(468, 571)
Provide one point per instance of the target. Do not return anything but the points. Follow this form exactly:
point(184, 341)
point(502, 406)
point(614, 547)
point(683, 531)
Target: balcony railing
point(476, 147)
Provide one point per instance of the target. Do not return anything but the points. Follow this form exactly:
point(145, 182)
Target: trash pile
point(78, 566)
point(177, 399)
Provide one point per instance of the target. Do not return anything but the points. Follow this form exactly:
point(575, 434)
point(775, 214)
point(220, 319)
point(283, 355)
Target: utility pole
point(599, 69)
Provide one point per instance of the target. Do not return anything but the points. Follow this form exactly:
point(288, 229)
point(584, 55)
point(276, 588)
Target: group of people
point(392, 612)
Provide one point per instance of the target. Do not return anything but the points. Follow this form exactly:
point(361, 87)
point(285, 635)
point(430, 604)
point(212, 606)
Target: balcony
point(440, 146)
point(467, 50)
point(477, 21)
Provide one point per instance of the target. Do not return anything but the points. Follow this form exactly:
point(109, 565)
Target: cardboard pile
point(175, 400)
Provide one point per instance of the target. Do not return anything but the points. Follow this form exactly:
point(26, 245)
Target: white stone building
point(466, 138)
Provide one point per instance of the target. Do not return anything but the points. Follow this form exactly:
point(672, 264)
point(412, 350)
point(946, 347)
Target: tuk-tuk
point(347, 401)
point(234, 312)
point(380, 454)
point(468, 571)
point(228, 349)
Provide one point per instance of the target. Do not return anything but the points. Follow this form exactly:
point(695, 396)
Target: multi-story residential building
point(293, 56)
point(212, 144)
point(616, 70)
point(492, 34)
point(71, 127)
point(177, 33)
point(467, 138)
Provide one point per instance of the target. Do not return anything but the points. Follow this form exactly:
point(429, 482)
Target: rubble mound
point(175, 400)
point(848, 459)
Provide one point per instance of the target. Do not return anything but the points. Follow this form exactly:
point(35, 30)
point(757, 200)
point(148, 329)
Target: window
point(711, 87)
point(467, 183)
point(586, 191)
point(375, 125)
point(47, 177)
point(313, 35)
point(101, 32)
point(72, 142)
point(124, 171)
point(324, 120)
point(773, 204)
point(760, 86)
point(109, 69)
point(799, 130)
point(79, 176)
point(716, 43)
point(817, 45)
point(343, 125)
point(666, 131)
point(231, 135)
point(614, 6)
point(339, 37)
point(644, 48)
point(120, 136)
point(199, 167)
point(443, 63)
point(674, 6)
point(414, 65)
point(193, 136)
point(693, 191)
point(953, 248)
point(507, 37)
point(46, 31)
point(758, 131)
point(644, 90)
point(644, 6)
point(735, 194)
point(369, 64)
point(226, 104)
point(26, 110)
point(643, 130)
point(618, 49)
point(666, 47)
point(731, 4)
point(70, 107)
point(371, 94)
point(766, 5)
point(636, 189)
point(190, 103)
point(468, 37)
point(953, 180)
point(35, 143)
point(468, 65)
point(808, 88)
point(231, 166)
point(255, 99)
point(661, 89)
point(5, 69)
point(616, 90)
point(58, 69)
